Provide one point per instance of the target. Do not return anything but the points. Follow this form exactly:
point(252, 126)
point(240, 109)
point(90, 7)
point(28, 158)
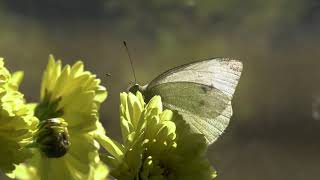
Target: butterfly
point(201, 92)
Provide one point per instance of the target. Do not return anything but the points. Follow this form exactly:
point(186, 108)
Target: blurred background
point(275, 130)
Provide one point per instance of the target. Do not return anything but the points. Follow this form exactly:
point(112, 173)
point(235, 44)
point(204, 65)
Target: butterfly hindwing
point(198, 105)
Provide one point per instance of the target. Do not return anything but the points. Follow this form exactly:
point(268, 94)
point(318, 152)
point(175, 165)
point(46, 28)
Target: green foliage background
point(272, 134)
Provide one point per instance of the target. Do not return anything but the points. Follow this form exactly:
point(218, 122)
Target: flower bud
point(53, 137)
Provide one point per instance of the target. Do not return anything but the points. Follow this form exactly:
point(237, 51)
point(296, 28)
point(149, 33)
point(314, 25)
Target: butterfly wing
point(201, 92)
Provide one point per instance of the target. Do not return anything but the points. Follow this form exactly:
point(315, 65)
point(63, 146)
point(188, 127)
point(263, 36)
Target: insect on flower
point(200, 91)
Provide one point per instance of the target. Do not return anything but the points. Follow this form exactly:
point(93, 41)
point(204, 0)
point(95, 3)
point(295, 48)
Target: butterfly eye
point(53, 138)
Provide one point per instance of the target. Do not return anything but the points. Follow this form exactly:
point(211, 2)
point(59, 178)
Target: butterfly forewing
point(201, 92)
point(221, 73)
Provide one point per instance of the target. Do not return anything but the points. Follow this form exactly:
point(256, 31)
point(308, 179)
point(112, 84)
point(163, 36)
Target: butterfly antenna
point(134, 73)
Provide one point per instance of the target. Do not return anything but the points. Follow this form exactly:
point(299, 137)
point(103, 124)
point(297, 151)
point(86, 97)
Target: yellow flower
point(68, 114)
point(157, 144)
point(17, 122)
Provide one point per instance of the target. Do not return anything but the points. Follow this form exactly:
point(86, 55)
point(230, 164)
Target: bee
point(52, 137)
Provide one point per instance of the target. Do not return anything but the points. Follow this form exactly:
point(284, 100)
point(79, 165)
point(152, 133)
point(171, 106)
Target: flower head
point(157, 144)
point(68, 115)
point(17, 122)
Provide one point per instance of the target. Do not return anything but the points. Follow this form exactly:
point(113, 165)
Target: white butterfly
point(201, 92)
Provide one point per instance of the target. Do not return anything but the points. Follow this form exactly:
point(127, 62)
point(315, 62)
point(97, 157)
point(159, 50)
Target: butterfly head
point(136, 87)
